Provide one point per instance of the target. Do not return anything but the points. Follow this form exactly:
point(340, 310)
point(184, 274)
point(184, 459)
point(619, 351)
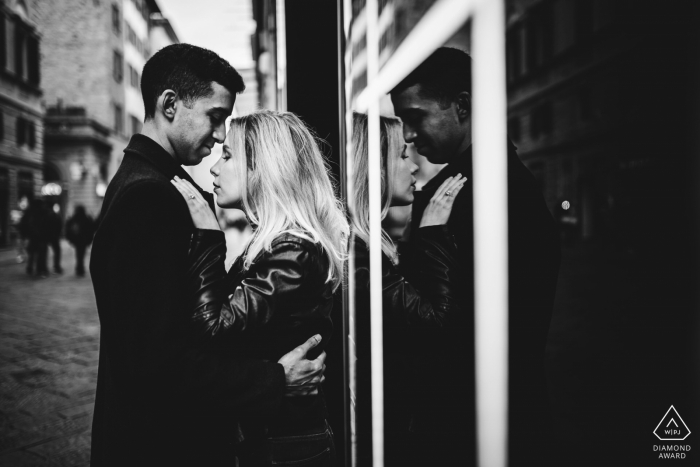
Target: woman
point(411, 309)
point(279, 291)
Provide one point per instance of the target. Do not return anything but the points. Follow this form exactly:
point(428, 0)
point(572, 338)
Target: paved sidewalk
point(49, 341)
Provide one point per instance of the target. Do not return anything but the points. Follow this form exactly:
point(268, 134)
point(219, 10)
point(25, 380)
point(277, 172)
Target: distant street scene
point(49, 343)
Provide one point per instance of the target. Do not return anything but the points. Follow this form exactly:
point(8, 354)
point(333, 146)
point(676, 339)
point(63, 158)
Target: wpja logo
point(671, 428)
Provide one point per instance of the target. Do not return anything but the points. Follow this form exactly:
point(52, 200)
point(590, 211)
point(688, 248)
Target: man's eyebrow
point(219, 109)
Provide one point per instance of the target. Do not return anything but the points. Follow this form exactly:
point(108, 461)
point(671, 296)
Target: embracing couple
point(199, 366)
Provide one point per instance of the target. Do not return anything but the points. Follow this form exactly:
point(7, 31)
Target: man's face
point(195, 130)
point(436, 132)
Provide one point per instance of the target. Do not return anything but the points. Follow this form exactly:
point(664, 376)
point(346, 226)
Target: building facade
point(21, 113)
point(568, 62)
point(94, 56)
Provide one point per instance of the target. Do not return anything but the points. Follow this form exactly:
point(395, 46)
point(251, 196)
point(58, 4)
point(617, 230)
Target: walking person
point(55, 228)
point(280, 290)
point(162, 397)
point(80, 229)
point(35, 226)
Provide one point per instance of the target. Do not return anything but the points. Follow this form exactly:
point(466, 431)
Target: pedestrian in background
point(55, 227)
point(80, 229)
point(17, 235)
point(34, 226)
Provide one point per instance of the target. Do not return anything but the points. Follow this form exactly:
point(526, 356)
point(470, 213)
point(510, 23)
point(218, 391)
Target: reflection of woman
point(279, 291)
point(410, 308)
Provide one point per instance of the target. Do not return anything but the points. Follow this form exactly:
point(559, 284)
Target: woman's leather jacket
point(416, 312)
point(280, 301)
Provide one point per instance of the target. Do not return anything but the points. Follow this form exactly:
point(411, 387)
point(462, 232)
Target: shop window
point(118, 67)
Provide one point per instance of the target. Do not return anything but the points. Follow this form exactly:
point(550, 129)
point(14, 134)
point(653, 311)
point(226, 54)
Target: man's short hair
point(442, 76)
point(189, 71)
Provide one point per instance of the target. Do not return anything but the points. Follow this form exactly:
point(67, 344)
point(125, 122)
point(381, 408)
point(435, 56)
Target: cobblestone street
point(49, 341)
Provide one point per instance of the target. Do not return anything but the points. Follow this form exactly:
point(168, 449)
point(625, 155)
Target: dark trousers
point(80, 259)
point(56, 249)
point(37, 251)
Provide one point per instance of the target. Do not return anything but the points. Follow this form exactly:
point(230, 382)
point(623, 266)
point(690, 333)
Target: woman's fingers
point(442, 188)
point(188, 191)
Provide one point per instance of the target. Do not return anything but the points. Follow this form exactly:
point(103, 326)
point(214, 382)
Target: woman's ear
point(464, 105)
point(167, 104)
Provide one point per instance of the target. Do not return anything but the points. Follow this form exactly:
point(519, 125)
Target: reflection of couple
point(195, 363)
point(428, 295)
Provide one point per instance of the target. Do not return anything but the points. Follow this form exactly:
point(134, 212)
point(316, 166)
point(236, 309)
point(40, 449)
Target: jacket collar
point(144, 147)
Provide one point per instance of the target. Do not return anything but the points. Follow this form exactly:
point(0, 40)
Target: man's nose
point(414, 168)
point(409, 134)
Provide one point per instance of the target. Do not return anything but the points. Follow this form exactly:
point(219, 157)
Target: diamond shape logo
point(672, 427)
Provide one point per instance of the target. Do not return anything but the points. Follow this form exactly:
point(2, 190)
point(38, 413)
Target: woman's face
point(228, 179)
point(404, 182)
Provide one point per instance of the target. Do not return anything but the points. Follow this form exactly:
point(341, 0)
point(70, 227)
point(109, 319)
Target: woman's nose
point(414, 168)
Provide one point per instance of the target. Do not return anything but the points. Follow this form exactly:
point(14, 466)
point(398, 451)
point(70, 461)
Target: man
point(434, 103)
point(161, 399)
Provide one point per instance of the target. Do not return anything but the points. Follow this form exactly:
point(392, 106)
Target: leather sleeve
point(230, 305)
point(430, 300)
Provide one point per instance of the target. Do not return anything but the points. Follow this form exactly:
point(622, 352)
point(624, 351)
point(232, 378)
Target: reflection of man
point(434, 103)
point(161, 400)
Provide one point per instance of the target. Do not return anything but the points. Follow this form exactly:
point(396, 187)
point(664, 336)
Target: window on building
point(539, 33)
point(116, 19)
point(118, 67)
point(20, 52)
point(33, 60)
point(31, 134)
point(3, 43)
point(134, 79)
point(21, 132)
point(9, 45)
point(541, 120)
point(135, 125)
point(118, 119)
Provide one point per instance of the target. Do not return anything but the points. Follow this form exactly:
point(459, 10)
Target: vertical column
point(490, 232)
point(375, 246)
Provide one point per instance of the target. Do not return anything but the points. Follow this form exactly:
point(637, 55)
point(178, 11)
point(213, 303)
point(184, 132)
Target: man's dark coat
point(534, 257)
point(161, 400)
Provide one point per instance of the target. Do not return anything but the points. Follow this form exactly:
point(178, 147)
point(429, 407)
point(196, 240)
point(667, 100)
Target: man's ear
point(464, 105)
point(167, 104)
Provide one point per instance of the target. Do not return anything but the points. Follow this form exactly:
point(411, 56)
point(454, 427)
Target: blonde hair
point(391, 143)
point(288, 188)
